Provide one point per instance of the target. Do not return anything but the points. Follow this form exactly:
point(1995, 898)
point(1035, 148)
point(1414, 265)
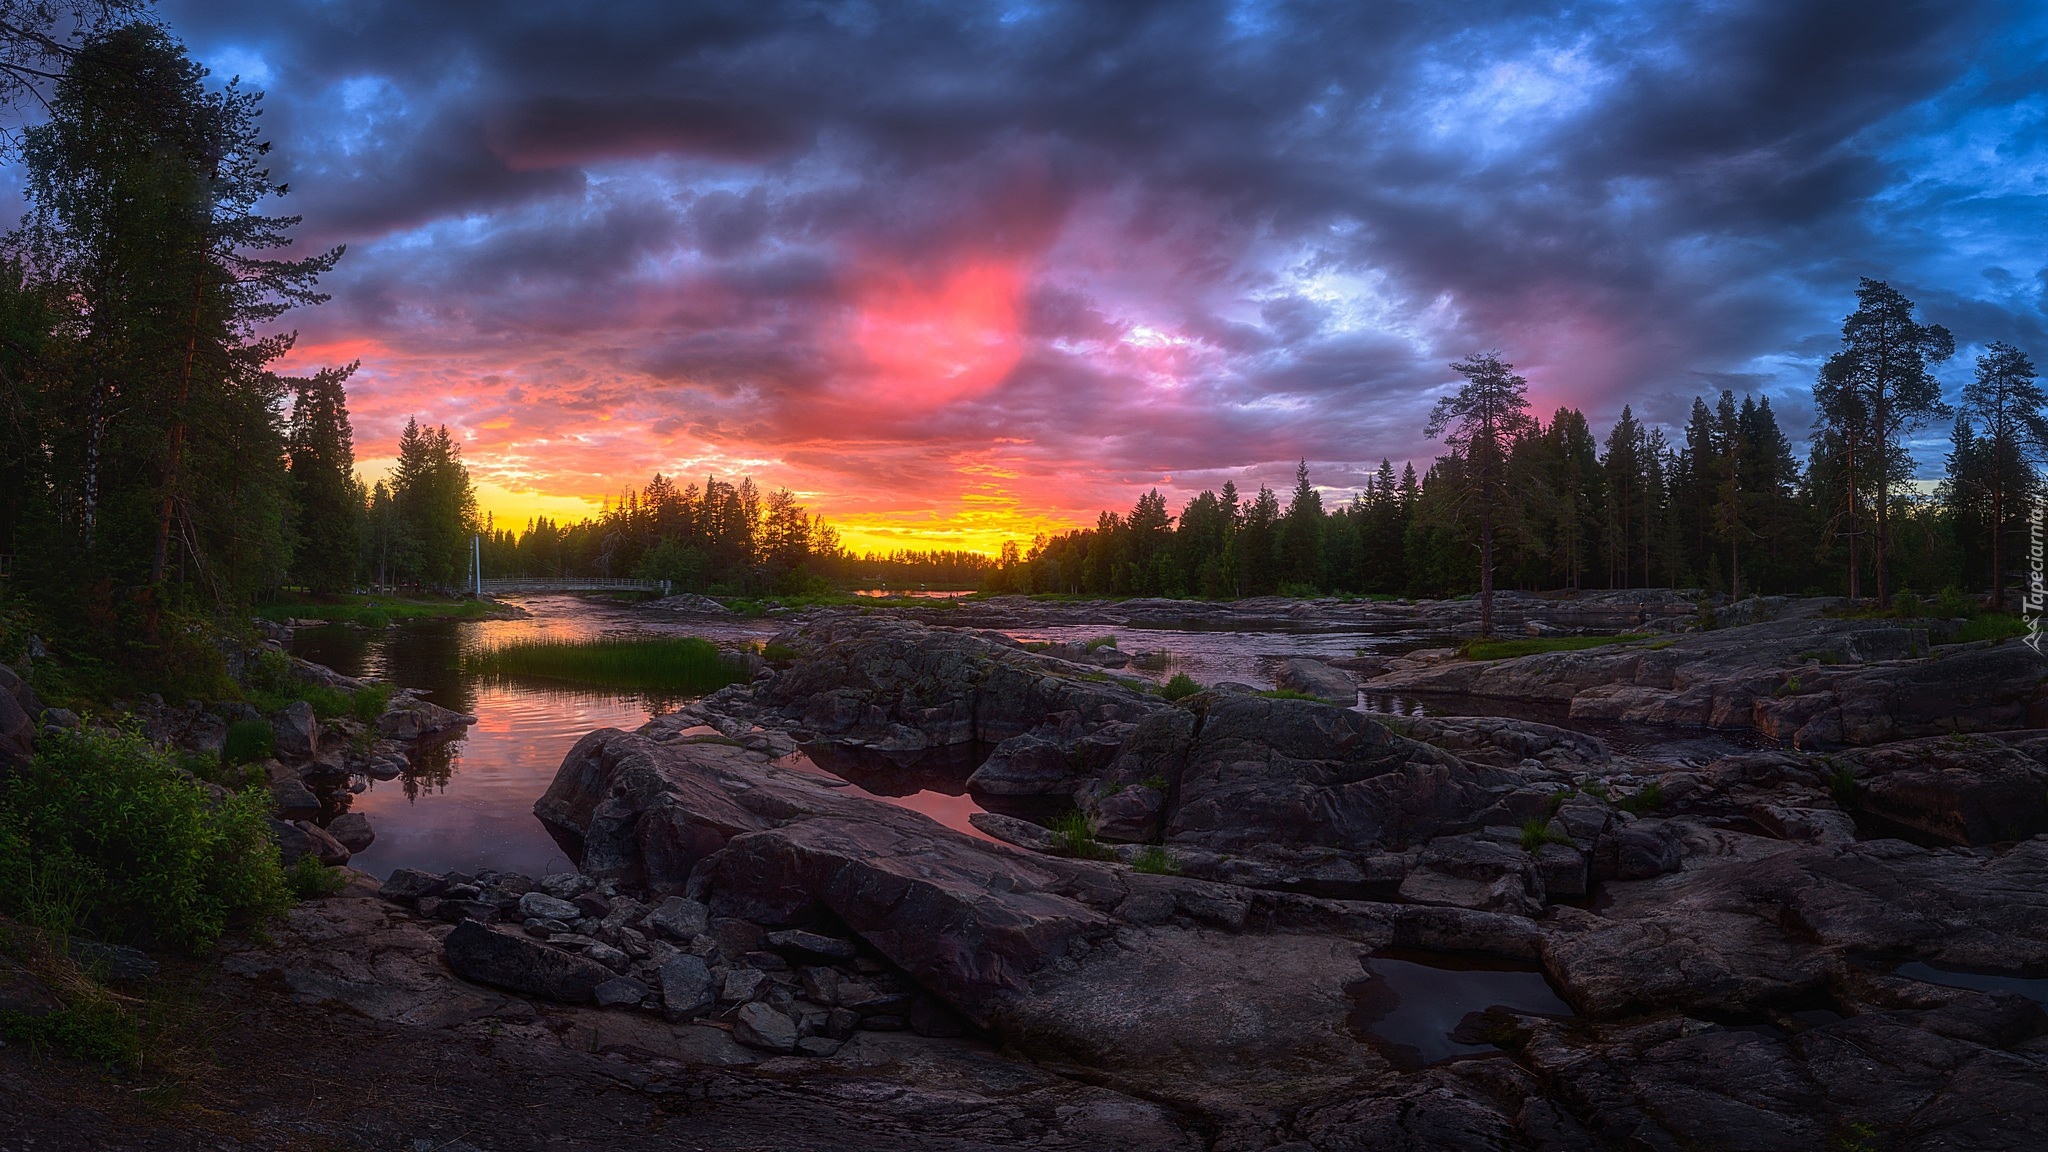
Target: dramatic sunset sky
point(958, 271)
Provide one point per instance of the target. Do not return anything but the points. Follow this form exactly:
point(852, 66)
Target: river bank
point(1275, 922)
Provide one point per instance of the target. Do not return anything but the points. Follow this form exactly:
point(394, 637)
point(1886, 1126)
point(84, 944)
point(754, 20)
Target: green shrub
point(1951, 603)
point(309, 879)
point(370, 702)
point(150, 856)
point(1536, 833)
point(1099, 642)
point(248, 742)
point(92, 1029)
point(1907, 605)
point(1157, 861)
point(1180, 687)
point(781, 653)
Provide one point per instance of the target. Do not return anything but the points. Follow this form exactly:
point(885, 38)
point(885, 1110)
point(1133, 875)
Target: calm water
point(1415, 1007)
point(469, 804)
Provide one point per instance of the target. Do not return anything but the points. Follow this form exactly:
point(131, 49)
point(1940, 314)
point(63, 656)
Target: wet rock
point(759, 1026)
point(519, 964)
point(353, 830)
point(1010, 830)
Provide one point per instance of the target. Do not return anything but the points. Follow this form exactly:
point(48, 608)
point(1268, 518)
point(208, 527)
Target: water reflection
point(1413, 1003)
point(2033, 987)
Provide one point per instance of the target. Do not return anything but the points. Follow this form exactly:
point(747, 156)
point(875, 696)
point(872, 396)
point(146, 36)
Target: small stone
point(765, 961)
point(619, 990)
point(609, 956)
point(546, 907)
point(811, 944)
point(686, 987)
point(759, 1026)
point(593, 906)
point(319, 844)
point(742, 984)
point(840, 1023)
point(820, 1046)
point(564, 885)
point(678, 919)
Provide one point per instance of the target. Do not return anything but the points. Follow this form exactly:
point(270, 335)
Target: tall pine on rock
point(1479, 422)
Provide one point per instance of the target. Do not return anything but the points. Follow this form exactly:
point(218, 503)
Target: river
point(468, 805)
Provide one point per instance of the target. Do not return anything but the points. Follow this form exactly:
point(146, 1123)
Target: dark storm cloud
point(1240, 233)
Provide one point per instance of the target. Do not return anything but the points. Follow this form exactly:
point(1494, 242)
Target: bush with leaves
point(102, 830)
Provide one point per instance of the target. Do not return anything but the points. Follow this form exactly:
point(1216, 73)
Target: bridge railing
point(570, 584)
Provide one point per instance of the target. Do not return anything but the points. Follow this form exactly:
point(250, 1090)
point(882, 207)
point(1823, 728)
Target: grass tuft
point(1643, 800)
point(1157, 861)
point(1073, 834)
point(671, 665)
point(1536, 833)
point(1180, 687)
point(1290, 694)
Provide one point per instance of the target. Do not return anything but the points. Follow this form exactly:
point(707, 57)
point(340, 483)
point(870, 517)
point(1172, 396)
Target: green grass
point(1643, 801)
point(1099, 642)
point(248, 742)
point(1843, 786)
point(662, 665)
point(1157, 861)
point(1536, 833)
point(1073, 834)
point(1290, 694)
point(1991, 626)
point(271, 683)
point(781, 653)
point(1480, 649)
point(1180, 687)
point(377, 611)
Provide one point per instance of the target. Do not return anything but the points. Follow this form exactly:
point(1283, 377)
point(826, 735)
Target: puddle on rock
point(933, 784)
point(1411, 1003)
point(2034, 988)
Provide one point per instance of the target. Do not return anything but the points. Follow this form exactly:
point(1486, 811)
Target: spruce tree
point(1480, 422)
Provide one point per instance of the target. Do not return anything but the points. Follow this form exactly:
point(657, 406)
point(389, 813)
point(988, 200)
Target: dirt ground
point(275, 1050)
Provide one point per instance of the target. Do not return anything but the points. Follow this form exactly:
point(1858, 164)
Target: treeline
point(145, 453)
point(719, 537)
point(1536, 505)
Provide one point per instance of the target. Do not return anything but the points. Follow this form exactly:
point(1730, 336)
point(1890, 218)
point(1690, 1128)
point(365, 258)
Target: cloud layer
point(961, 271)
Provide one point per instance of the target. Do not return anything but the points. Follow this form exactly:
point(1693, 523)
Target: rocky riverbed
point(1271, 928)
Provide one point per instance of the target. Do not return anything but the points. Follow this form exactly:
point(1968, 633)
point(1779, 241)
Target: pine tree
point(1875, 391)
point(328, 499)
point(1480, 421)
point(2006, 397)
point(1301, 533)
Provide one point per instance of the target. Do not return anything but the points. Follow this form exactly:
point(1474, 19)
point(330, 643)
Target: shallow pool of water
point(2032, 987)
point(1412, 1003)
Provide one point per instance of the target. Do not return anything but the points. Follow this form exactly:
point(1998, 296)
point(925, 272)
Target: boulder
point(1265, 772)
point(519, 964)
point(319, 844)
point(407, 885)
point(295, 732)
point(1966, 790)
point(619, 990)
point(353, 830)
point(759, 1026)
point(294, 800)
point(541, 906)
point(1315, 678)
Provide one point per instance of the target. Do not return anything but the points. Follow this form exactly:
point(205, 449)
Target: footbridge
point(525, 585)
